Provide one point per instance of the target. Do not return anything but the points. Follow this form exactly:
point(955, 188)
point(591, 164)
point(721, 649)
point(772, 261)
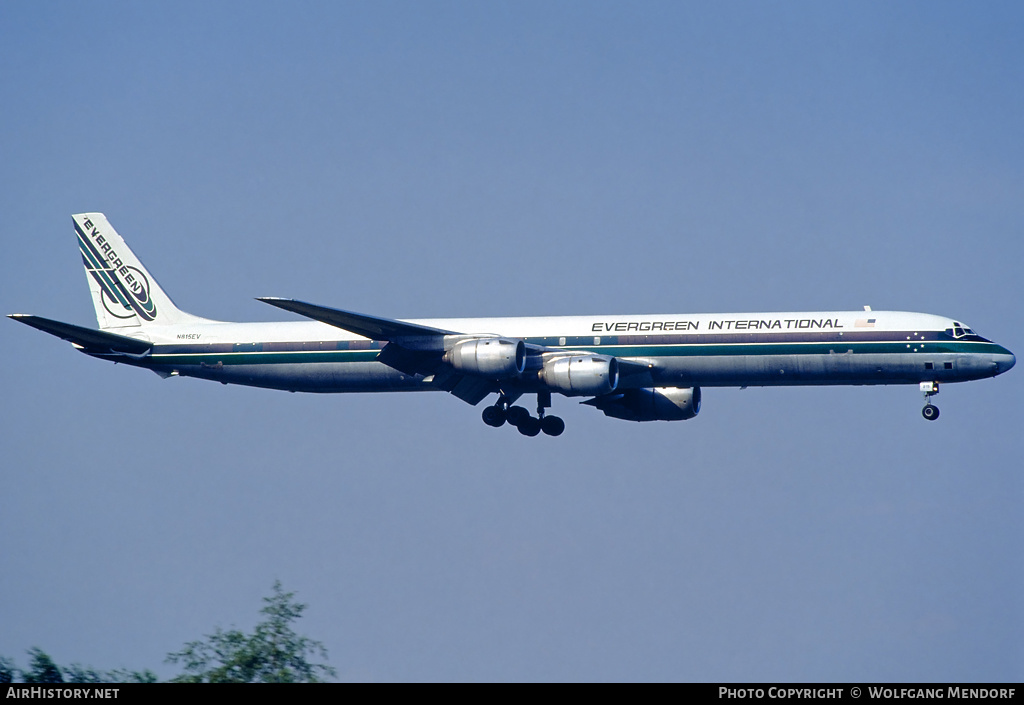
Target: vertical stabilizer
point(124, 294)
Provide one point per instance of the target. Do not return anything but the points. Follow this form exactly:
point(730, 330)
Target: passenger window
point(929, 366)
point(947, 365)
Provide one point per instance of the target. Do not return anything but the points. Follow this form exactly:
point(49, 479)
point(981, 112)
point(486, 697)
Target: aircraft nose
point(1005, 362)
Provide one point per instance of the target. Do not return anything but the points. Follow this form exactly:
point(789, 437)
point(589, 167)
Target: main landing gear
point(519, 417)
point(930, 411)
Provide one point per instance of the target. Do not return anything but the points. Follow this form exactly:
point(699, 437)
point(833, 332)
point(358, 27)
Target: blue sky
point(493, 159)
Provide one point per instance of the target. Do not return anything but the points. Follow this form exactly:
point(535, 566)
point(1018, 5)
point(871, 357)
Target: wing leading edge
point(372, 327)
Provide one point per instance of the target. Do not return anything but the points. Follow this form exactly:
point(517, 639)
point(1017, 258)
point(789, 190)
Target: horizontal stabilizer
point(370, 327)
point(88, 338)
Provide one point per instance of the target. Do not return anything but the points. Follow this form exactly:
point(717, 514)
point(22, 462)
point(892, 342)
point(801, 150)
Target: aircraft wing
point(417, 349)
point(88, 338)
point(372, 327)
point(412, 349)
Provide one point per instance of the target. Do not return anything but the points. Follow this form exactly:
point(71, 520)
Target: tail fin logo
point(115, 307)
point(125, 288)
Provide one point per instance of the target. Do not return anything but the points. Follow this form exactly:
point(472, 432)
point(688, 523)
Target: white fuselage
point(677, 350)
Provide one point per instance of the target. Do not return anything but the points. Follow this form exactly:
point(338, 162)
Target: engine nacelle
point(490, 357)
point(658, 404)
point(581, 375)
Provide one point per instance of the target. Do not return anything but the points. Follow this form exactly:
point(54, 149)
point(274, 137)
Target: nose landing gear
point(930, 411)
point(519, 417)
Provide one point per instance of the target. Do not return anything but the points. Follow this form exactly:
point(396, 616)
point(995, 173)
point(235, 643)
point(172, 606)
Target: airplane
point(636, 368)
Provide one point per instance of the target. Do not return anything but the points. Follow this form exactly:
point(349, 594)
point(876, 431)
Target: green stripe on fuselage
point(790, 348)
point(265, 358)
point(624, 351)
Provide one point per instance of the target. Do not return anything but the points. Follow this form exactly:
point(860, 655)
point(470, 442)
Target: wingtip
point(279, 302)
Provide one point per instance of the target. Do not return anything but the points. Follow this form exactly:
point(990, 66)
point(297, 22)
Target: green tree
point(7, 670)
point(120, 675)
point(41, 667)
point(273, 653)
point(77, 673)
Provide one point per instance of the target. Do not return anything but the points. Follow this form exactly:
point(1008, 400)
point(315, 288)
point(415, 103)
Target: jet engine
point(581, 375)
point(657, 404)
point(490, 357)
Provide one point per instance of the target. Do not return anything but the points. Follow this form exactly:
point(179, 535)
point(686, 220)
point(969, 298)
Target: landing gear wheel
point(529, 426)
point(552, 425)
point(517, 415)
point(930, 412)
point(494, 416)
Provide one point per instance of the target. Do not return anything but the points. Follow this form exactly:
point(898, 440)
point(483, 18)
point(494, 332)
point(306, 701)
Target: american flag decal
point(865, 323)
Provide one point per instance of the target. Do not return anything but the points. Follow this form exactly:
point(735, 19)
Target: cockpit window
point(959, 330)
